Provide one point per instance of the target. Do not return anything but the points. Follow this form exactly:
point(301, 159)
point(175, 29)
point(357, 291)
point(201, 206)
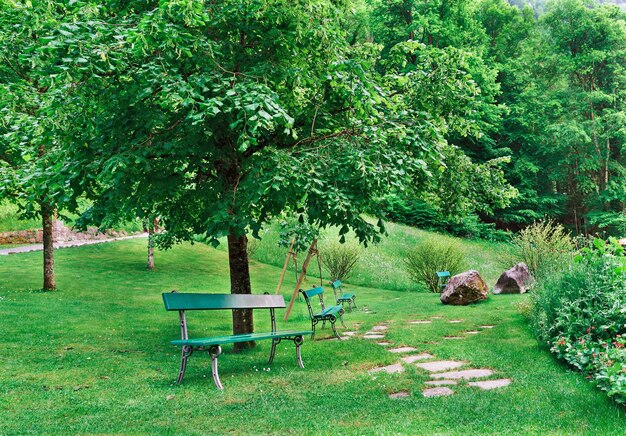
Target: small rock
point(397, 395)
point(349, 333)
point(455, 321)
point(486, 326)
point(465, 288)
point(437, 392)
point(472, 332)
point(170, 397)
point(379, 328)
point(383, 343)
point(514, 280)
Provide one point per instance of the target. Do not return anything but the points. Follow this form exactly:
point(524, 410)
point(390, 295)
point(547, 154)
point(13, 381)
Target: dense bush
point(340, 259)
point(581, 313)
point(544, 246)
point(432, 255)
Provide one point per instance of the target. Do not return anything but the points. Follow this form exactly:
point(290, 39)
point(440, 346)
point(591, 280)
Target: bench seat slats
point(192, 301)
point(346, 296)
point(330, 310)
point(231, 339)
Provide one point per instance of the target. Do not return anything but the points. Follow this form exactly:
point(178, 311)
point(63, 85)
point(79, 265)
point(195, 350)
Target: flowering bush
point(581, 313)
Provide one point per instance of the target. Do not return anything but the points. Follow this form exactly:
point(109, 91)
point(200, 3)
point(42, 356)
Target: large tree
point(218, 116)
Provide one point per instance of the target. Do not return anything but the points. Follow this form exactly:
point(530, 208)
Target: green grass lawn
point(94, 357)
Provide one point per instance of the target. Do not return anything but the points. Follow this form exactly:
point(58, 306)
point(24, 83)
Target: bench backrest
point(189, 301)
point(336, 286)
point(319, 291)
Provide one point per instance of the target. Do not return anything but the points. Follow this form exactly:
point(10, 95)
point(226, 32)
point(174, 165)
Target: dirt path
point(39, 247)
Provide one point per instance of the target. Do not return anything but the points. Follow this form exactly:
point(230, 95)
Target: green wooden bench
point(329, 314)
point(346, 297)
point(442, 279)
point(183, 302)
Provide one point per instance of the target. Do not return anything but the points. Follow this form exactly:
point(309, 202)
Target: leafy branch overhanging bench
point(183, 302)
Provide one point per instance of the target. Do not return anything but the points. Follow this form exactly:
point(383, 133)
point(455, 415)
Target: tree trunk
point(47, 219)
point(240, 284)
point(150, 248)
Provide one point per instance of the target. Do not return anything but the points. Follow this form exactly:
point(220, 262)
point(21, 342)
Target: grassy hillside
point(381, 265)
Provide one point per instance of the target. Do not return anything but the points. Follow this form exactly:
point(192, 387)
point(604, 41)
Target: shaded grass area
point(95, 357)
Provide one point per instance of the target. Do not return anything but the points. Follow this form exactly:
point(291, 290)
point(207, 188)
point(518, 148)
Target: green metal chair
point(346, 297)
point(442, 279)
point(330, 314)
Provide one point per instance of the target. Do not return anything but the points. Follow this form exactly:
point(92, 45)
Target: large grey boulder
point(514, 280)
point(465, 288)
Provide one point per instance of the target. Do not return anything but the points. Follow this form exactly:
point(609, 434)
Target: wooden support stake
point(312, 251)
point(282, 274)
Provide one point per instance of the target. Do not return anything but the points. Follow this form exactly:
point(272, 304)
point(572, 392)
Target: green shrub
point(432, 255)
point(340, 259)
point(581, 313)
point(544, 246)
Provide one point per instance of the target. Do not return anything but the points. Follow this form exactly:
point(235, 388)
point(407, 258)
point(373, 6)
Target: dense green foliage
point(431, 256)
point(580, 312)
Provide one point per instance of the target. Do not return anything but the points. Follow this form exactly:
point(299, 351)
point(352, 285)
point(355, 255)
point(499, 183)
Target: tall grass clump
point(340, 259)
point(580, 312)
point(432, 255)
point(544, 247)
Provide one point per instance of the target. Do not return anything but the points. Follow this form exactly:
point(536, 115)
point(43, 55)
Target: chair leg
point(275, 342)
point(354, 302)
point(186, 352)
point(313, 324)
point(332, 324)
point(341, 319)
point(215, 352)
point(299, 340)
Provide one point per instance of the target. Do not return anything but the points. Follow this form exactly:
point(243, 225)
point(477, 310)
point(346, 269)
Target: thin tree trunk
point(150, 248)
point(47, 219)
point(240, 284)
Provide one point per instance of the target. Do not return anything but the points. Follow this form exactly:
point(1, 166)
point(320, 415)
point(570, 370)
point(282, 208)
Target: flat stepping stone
point(398, 395)
point(436, 317)
point(465, 375)
point(472, 332)
point(391, 369)
point(486, 326)
point(383, 343)
point(453, 337)
point(456, 321)
point(440, 365)
point(416, 357)
point(441, 382)
point(437, 392)
point(491, 384)
point(370, 335)
point(402, 350)
point(379, 328)
point(349, 333)
point(420, 321)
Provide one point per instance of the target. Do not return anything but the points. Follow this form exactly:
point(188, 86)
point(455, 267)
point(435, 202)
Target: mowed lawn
point(94, 357)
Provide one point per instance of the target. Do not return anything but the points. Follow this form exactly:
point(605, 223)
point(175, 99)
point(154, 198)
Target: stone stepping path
point(383, 343)
point(472, 332)
point(389, 369)
point(486, 326)
point(420, 321)
point(349, 333)
point(440, 365)
point(441, 383)
point(398, 395)
point(416, 357)
point(402, 350)
point(465, 375)
point(437, 392)
point(491, 384)
point(456, 321)
point(370, 335)
point(436, 317)
point(453, 337)
point(379, 328)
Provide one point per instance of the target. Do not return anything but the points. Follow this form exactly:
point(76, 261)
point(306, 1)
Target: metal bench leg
point(299, 340)
point(313, 324)
point(332, 324)
point(215, 352)
point(341, 319)
point(354, 302)
point(186, 352)
point(275, 342)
